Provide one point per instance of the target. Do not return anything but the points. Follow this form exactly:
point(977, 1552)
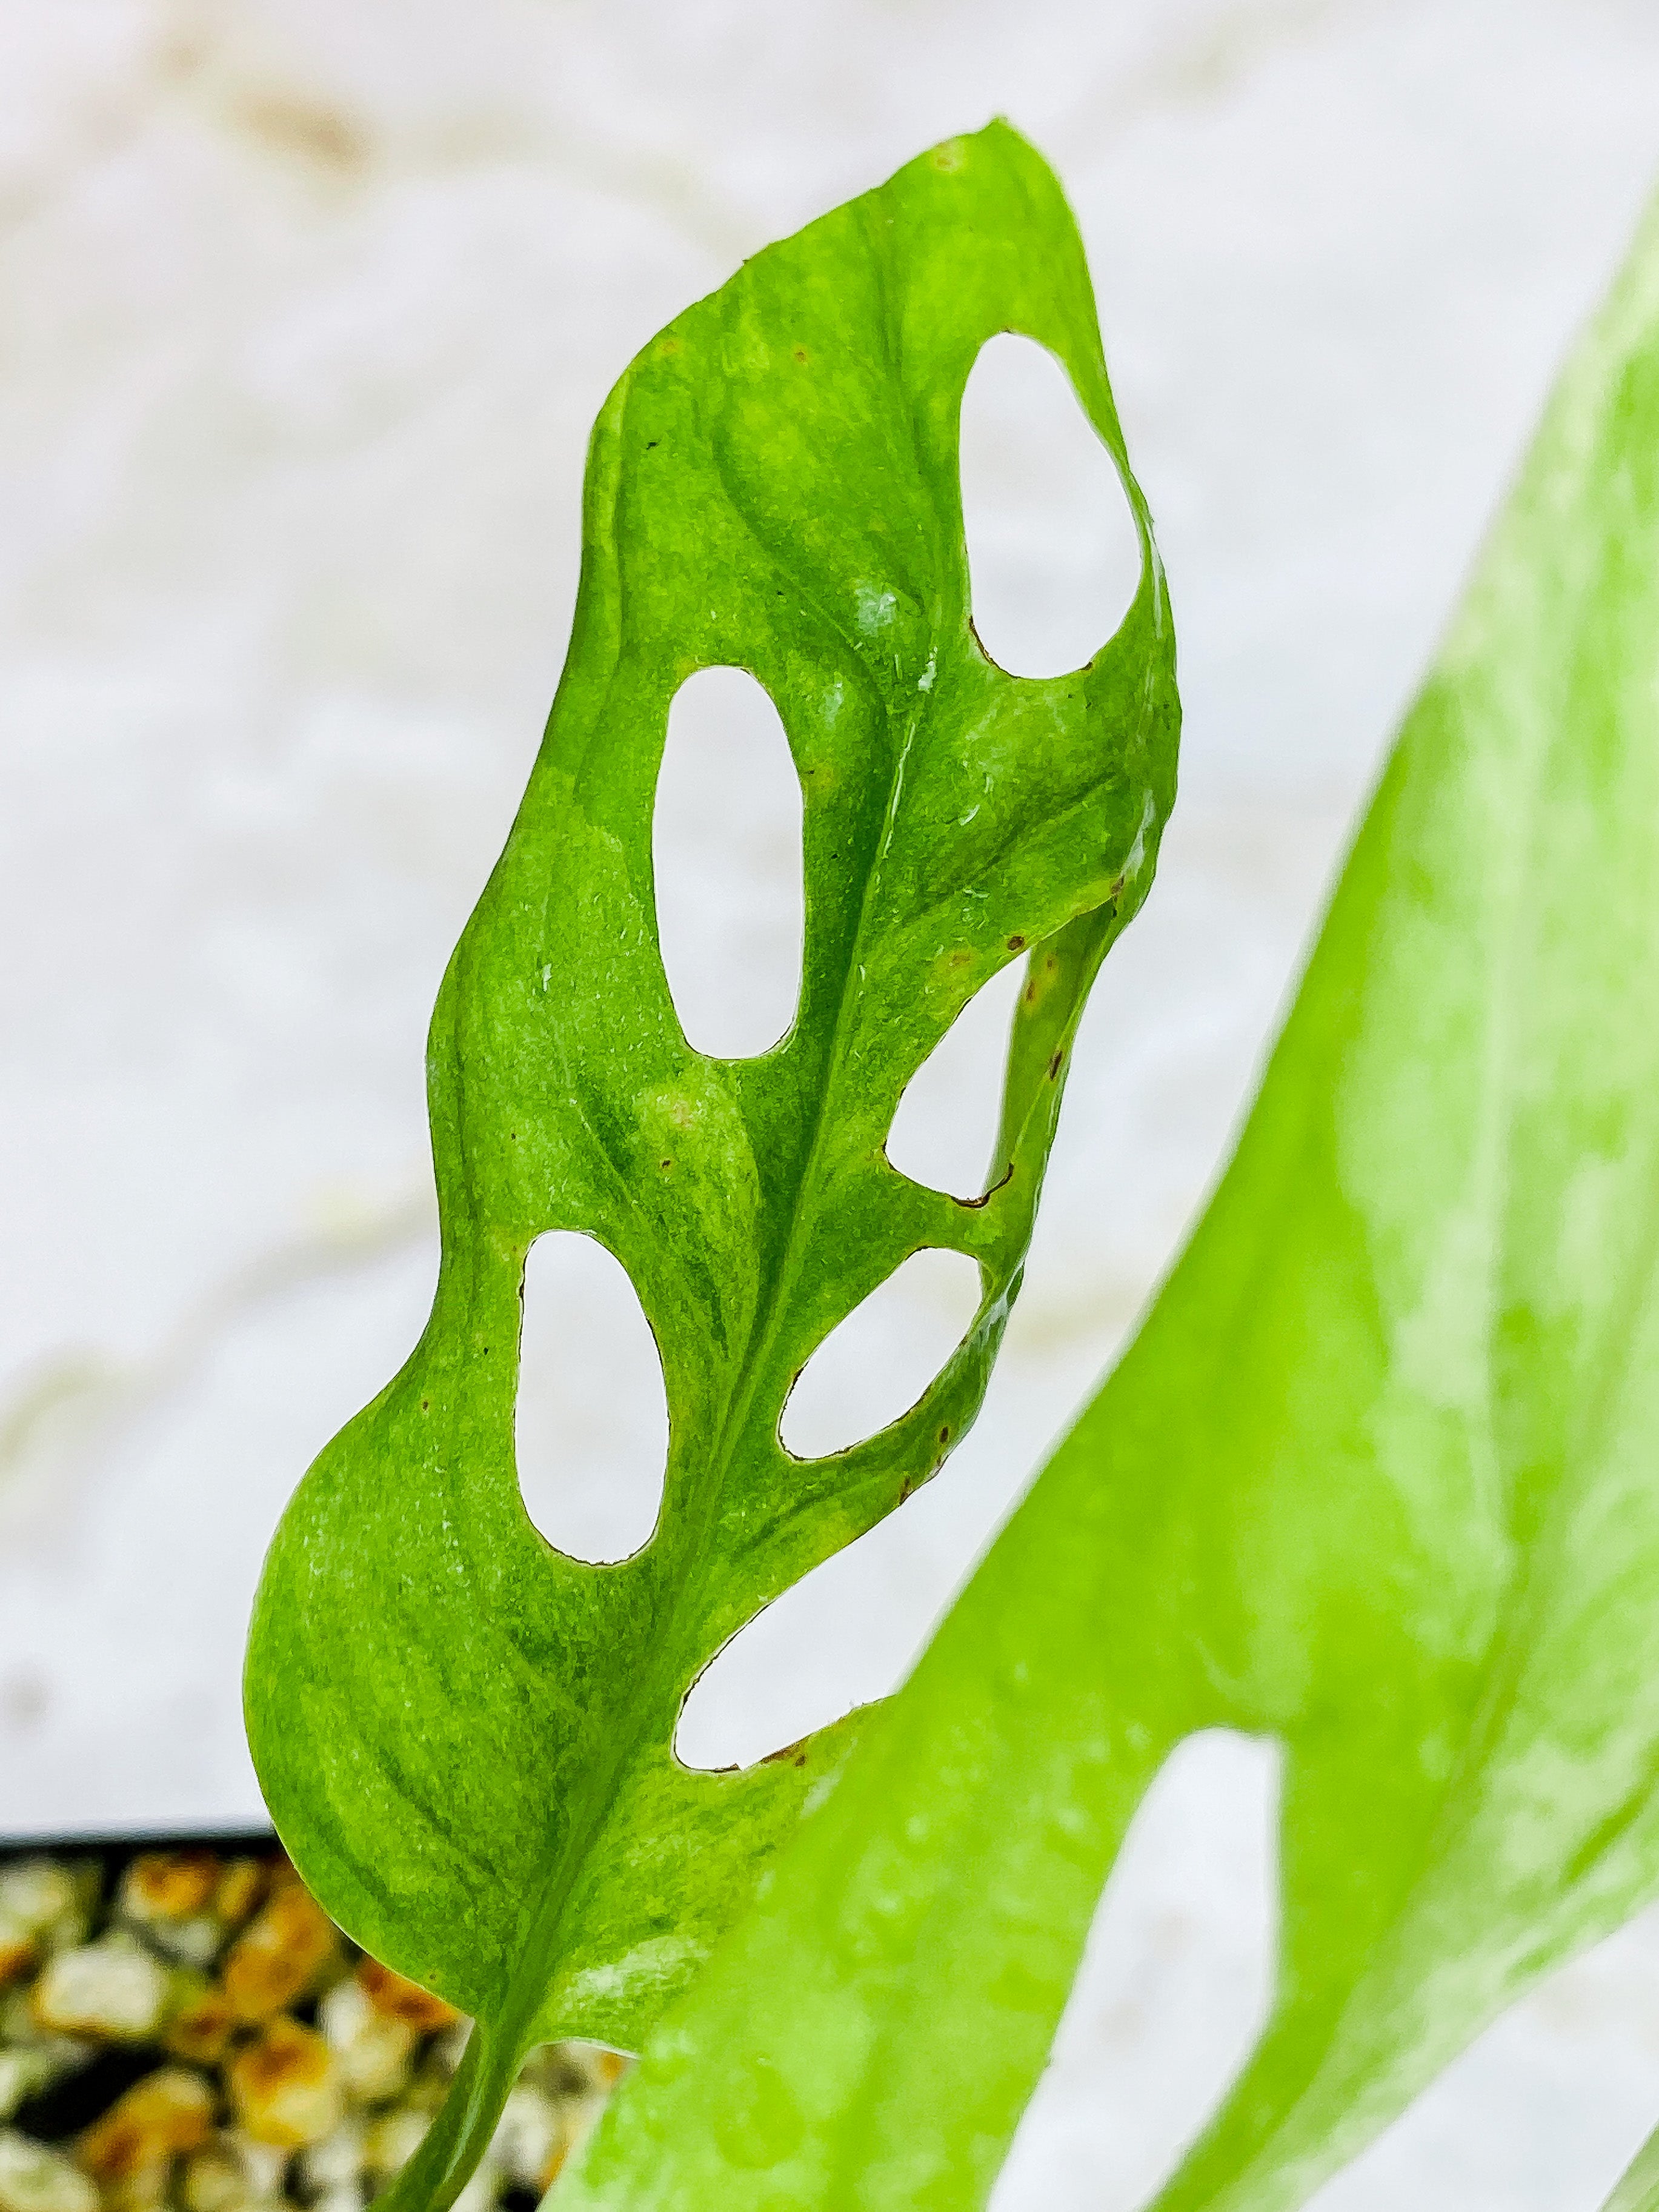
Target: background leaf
point(465, 1737)
point(1639, 2187)
point(1377, 1477)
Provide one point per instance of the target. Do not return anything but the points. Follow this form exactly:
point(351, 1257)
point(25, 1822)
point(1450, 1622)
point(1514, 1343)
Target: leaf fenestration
point(591, 1417)
point(1376, 1478)
point(465, 1737)
point(1053, 557)
point(944, 1132)
point(877, 1363)
point(727, 865)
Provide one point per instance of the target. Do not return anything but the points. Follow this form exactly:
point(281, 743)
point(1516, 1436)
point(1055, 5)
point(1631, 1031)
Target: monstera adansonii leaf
point(1378, 1478)
point(466, 1738)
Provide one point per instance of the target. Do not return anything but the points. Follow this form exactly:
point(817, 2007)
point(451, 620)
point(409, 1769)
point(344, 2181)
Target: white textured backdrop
point(304, 312)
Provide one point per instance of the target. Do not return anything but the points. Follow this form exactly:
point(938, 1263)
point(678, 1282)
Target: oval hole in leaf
point(727, 855)
point(591, 1423)
point(945, 1127)
point(843, 1636)
point(875, 1364)
point(850, 1631)
point(1175, 1986)
point(1052, 548)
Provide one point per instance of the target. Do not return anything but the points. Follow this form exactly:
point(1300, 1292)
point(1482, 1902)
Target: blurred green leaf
point(1378, 1477)
point(465, 1737)
point(1638, 2190)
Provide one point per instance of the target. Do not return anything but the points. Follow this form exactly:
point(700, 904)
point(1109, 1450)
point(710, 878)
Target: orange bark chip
point(201, 2028)
point(169, 1885)
point(167, 2112)
point(286, 2087)
point(280, 1955)
point(240, 1891)
point(16, 1957)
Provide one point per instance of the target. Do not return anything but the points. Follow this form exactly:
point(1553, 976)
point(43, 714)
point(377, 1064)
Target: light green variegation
point(465, 1737)
point(1379, 1477)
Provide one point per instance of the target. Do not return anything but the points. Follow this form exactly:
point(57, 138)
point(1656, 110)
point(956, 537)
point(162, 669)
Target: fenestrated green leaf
point(465, 1737)
point(1379, 1476)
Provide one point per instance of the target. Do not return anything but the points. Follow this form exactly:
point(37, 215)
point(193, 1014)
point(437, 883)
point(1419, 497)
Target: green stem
point(459, 2135)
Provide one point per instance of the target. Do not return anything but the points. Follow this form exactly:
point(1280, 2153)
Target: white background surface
point(305, 309)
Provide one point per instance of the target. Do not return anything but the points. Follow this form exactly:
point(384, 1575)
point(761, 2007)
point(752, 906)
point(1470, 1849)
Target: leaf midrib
point(688, 1592)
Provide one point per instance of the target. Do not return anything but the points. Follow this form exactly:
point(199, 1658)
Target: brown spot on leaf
point(973, 1205)
point(397, 1999)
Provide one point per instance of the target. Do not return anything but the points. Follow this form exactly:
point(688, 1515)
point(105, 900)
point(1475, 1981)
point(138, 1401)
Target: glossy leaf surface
point(465, 1736)
point(1379, 1476)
